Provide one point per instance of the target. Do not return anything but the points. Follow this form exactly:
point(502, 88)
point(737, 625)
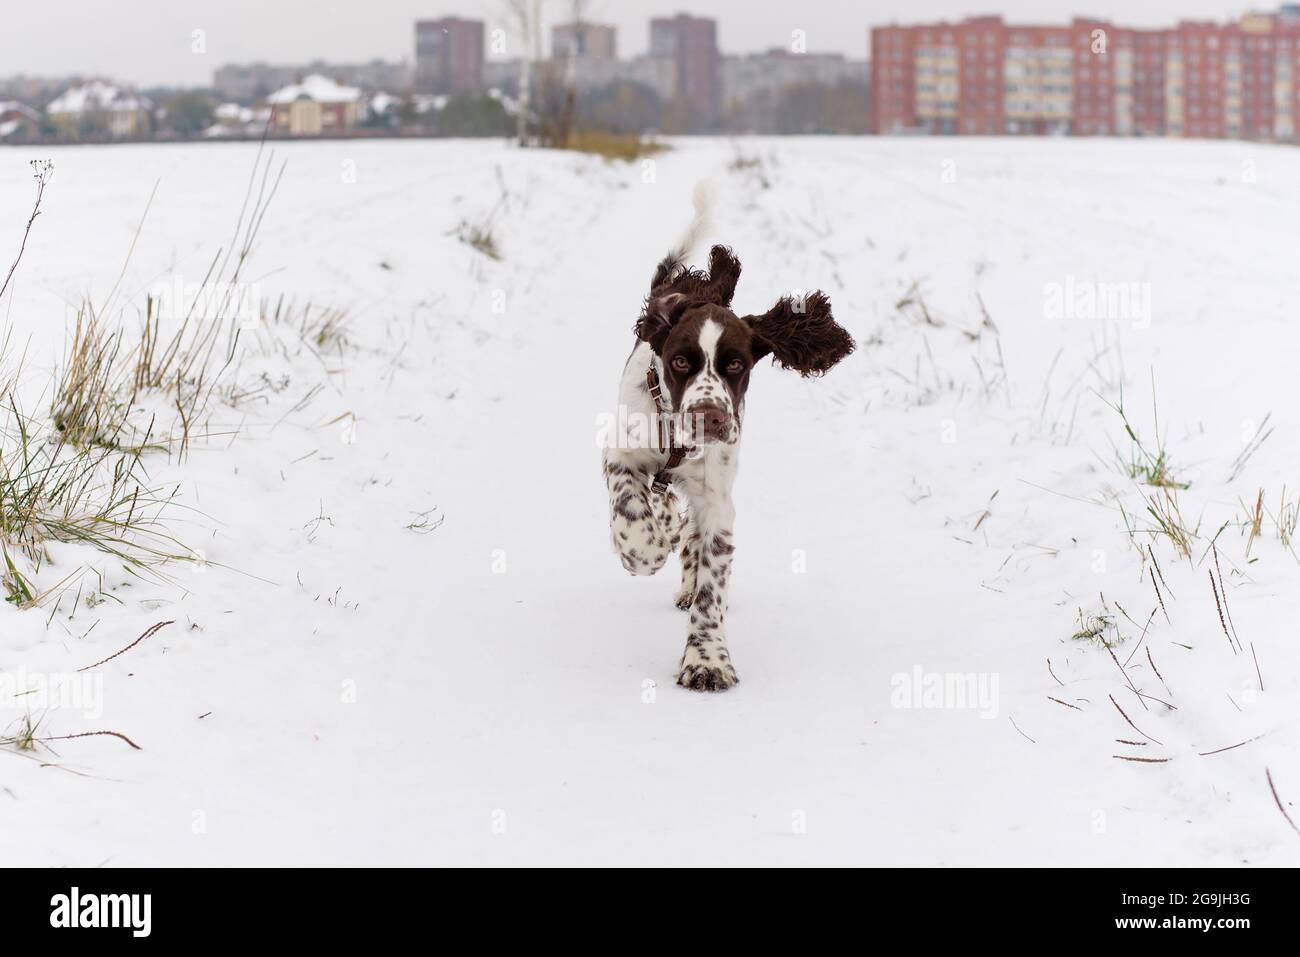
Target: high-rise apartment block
point(448, 55)
point(691, 44)
point(983, 76)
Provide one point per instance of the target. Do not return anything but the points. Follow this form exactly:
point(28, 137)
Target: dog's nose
point(712, 421)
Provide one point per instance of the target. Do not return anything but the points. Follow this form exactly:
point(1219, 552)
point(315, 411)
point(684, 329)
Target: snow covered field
point(408, 641)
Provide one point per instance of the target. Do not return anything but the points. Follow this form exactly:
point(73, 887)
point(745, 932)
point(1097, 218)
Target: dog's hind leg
point(645, 525)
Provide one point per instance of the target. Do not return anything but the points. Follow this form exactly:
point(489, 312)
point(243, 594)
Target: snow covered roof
point(233, 112)
point(424, 102)
point(235, 120)
point(22, 109)
point(316, 87)
point(383, 102)
point(96, 95)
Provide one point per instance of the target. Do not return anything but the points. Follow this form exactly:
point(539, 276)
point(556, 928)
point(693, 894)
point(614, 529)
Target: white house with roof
point(18, 121)
point(99, 107)
point(314, 106)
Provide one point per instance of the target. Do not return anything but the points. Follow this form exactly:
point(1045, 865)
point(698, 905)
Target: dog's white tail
point(701, 224)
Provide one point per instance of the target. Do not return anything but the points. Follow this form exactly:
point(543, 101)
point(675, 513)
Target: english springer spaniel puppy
point(684, 384)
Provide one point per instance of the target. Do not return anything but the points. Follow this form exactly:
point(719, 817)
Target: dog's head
point(707, 351)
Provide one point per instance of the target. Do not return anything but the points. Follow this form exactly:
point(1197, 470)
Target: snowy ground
point(339, 688)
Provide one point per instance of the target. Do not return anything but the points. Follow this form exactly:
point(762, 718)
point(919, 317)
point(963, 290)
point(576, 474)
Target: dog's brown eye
point(681, 364)
point(734, 367)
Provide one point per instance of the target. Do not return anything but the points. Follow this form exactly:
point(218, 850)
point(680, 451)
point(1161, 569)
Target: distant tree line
point(630, 108)
point(623, 108)
point(633, 108)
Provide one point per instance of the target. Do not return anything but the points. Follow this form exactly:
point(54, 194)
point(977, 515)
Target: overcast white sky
point(149, 41)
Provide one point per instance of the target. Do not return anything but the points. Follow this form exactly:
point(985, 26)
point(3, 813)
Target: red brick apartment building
point(1090, 78)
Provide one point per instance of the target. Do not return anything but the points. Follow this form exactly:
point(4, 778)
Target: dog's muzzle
point(709, 422)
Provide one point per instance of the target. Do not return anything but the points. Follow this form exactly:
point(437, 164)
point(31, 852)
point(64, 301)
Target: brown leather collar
point(666, 432)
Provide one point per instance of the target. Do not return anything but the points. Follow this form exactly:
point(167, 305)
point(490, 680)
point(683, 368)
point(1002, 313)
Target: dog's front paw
point(642, 558)
point(641, 546)
point(707, 677)
point(685, 598)
point(644, 533)
point(706, 666)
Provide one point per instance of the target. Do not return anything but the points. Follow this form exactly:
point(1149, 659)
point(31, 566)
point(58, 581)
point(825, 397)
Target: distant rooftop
point(96, 95)
point(318, 88)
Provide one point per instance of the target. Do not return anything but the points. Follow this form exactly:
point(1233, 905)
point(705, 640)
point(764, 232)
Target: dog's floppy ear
point(724, 272)
point(716, 285)
point(676, 287)
point(801, 334)
point(658, 317)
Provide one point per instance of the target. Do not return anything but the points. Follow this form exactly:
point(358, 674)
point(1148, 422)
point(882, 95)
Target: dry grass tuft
point(1097, 628)
point(624, 147)
point(77, 475)
point(1141, 464)
point(478, 236)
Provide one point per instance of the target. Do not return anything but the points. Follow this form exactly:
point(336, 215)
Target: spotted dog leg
point(690, 560)
point(706, 664)
point(645, 526)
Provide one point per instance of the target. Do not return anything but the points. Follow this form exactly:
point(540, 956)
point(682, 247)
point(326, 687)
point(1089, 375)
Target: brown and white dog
point(688, 373)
